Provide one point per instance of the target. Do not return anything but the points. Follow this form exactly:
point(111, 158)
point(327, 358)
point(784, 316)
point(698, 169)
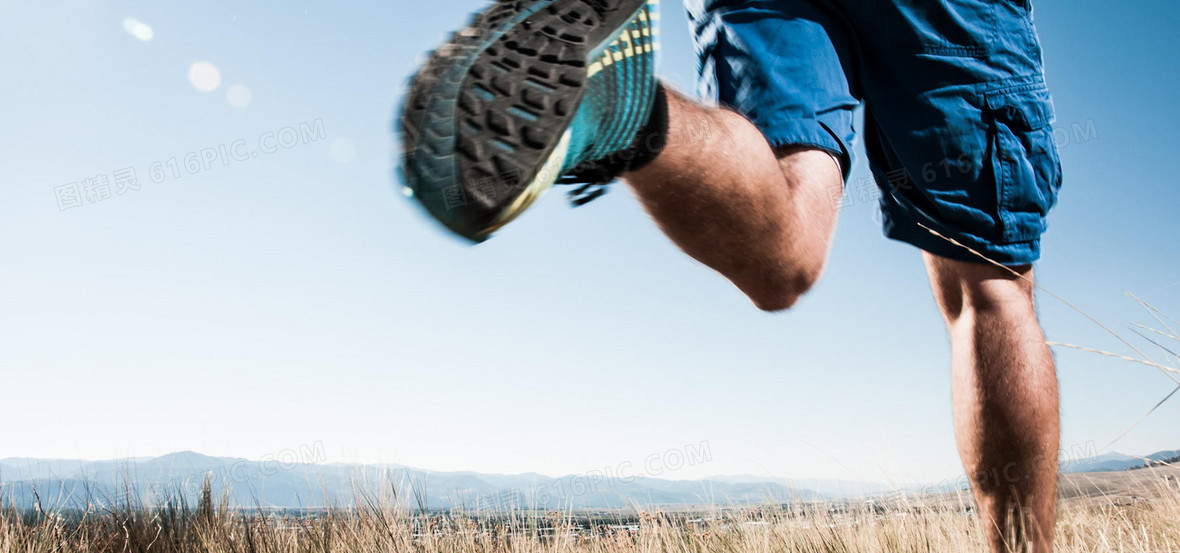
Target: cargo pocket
point(1024, 160)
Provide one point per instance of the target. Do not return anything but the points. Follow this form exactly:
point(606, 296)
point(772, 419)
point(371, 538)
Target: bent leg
point(763, 219)
point(1004, 387)
point(751, 191)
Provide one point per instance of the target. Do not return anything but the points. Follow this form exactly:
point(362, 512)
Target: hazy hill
point(1115, 461)
point(290, 484)
point(275, 484)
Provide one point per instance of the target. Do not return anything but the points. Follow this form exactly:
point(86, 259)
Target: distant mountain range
point(290, 484)
point(1116, 461)
point(273, 483)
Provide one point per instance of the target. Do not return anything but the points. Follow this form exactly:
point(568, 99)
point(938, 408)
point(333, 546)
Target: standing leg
point(1004, 387)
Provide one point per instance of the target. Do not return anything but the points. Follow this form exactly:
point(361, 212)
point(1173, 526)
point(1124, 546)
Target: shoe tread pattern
point(488, 108)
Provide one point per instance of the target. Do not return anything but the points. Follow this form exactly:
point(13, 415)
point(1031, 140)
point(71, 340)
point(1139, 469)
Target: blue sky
point(295, 296)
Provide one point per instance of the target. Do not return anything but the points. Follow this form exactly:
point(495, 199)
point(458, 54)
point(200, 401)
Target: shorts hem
point(1011, 254)
point(807, 132)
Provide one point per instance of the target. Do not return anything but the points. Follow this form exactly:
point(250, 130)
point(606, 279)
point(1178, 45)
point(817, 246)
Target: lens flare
point(138, 29)
point(205, 76)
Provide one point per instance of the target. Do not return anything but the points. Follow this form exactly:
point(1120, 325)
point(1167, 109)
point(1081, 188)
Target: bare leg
point(763, 219)
point(1005, 399)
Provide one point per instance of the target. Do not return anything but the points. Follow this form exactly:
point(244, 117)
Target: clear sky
point(254, 298)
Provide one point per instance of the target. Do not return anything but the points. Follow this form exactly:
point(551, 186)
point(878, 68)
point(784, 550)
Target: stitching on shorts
point(1008, 86)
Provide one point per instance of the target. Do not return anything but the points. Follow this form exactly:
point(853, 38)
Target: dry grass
point(1147, 521)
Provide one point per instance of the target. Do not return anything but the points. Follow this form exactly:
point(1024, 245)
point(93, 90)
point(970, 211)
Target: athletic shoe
point(533, 91)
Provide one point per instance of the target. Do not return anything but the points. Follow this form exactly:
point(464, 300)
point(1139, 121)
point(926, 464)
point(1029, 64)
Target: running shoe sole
point(485, 126)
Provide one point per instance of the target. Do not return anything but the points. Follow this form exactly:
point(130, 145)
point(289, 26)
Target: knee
point(966, 291)
point(1006, 308)
point(1003, 299)
point(781, 290)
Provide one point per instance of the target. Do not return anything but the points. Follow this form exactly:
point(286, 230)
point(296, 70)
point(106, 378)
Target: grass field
point(1126, 511)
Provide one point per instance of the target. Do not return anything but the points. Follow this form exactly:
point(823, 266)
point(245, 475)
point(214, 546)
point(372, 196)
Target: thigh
point(783, 65)
point(958, 126)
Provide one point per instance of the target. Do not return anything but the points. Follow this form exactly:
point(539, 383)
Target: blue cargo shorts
point(957, 114)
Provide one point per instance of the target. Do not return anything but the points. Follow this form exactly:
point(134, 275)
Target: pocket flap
point(1026, 108)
